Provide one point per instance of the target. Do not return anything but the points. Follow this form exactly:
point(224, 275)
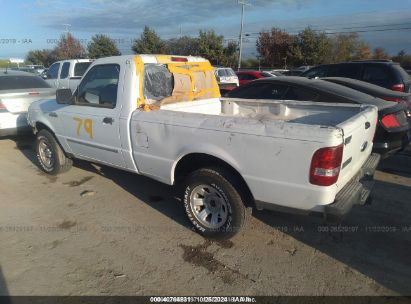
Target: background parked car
point(393, 132)
point(226, 78)
point(373, 90)
point(384, 73)
point(245, 77)
point(67, 74)
point(17, 91)
point(297, 71)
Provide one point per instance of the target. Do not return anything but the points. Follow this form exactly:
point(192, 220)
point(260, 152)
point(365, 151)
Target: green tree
point(310, 47)
point(250, 63)
point(45, 57)
point(102, 46)
point(380, 53)
point(403, 59)
point(184, 46)
point(275, 47)
point(362, 52)
point(69, 47)
point(38, 56)
point(149, 43)
point(230, 55)
point(210, 46)
point(344, 47)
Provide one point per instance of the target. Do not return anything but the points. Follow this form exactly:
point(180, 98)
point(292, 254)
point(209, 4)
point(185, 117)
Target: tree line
point(275, 48)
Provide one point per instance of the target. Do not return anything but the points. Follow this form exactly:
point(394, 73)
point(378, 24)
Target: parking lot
point(100, 231)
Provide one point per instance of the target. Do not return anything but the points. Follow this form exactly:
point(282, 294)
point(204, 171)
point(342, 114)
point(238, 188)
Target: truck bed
point(270, 142)
point(309, 113)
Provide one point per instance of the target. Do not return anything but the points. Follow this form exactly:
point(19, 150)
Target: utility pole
point(67, 27)
point(243, 4)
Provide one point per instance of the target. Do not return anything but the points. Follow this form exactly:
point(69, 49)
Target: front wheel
point(213, 203)
point(50, 156)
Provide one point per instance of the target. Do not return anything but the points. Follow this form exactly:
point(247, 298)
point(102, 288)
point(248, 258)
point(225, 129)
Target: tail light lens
point(390, 121)
point(2, 107)
point(179, 59)
point(326, 166)
point(398, 87)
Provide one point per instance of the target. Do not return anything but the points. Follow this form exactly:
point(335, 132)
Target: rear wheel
point(50, 156)
point(213, 203)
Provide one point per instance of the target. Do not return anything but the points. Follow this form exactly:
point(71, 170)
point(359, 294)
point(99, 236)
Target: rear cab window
point(175, 82)
point(80, 68)
point(65, 70)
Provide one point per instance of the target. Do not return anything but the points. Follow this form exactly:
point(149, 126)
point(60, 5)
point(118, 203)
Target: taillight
point(390, 121)
point(2, 107)
point(326, 166)
point(398, 87)
point(179, 59)
point(395, 99)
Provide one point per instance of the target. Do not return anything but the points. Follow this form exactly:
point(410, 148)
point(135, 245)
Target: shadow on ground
point(3, 288)
point(374, 240)
point(157, 195)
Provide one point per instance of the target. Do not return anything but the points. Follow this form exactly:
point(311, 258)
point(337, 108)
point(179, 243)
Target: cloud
point(101, 15)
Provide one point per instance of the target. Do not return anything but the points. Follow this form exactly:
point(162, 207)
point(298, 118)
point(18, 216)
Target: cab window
point(99, 87)
point(53, 71)
point(65, 70)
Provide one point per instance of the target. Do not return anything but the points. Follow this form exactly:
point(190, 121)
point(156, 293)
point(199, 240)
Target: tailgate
point(19, 102)
point(358, 141)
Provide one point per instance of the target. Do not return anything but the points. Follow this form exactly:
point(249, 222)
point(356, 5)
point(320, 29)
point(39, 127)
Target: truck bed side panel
point(272, 166)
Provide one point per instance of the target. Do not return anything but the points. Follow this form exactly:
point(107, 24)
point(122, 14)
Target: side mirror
point(64, 96)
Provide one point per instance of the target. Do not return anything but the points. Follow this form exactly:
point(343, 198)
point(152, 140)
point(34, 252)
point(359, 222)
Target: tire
point(213, 203)
point(50, 156)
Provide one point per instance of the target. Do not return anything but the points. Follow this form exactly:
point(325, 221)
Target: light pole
point(243, 4)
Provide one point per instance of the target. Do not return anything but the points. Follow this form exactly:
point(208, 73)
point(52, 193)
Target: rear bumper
point(357, 191)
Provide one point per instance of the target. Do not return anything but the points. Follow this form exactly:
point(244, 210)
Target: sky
point(37, 24)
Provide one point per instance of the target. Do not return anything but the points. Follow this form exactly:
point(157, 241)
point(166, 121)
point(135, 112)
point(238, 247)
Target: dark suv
point(384, 73)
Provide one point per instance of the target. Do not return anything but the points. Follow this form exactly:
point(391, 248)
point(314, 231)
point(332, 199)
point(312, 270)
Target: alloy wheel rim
point(46, 153)
point(209, 206)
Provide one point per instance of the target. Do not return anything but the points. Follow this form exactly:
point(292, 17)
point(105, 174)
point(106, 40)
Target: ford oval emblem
point(364, 146)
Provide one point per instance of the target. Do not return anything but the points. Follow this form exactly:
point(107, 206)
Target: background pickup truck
point(162, 116)
point(66, 74)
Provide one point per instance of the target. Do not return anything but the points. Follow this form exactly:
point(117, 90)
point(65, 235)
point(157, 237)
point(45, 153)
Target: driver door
point(91, 124)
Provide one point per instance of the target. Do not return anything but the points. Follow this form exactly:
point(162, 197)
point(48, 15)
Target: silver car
point(17, 91)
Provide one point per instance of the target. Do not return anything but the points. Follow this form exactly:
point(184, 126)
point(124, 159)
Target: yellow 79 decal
point(86, 123)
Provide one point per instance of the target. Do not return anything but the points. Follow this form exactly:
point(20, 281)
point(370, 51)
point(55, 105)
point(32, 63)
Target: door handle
point(108, 120)
point(53, 114)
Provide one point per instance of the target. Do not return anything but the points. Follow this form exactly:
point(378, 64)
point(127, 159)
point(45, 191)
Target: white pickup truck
point(66, 74)
point(161, 116)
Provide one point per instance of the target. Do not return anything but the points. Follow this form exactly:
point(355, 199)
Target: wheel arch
point(194, 161)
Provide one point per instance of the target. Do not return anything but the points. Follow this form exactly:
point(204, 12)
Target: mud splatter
point(197, 255)
point(66, 224)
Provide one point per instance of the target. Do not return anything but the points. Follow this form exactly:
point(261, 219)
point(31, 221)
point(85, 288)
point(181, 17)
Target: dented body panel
point(269, 143)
